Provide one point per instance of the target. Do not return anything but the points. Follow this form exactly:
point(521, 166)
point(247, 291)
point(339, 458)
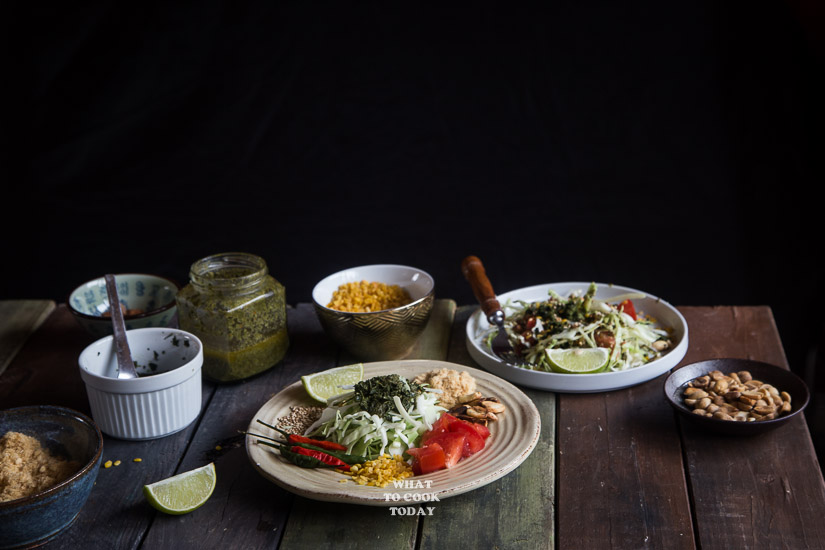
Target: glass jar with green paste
point(238, 310)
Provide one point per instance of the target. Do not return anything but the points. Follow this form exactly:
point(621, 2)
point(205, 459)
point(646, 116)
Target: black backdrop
point(670, 147)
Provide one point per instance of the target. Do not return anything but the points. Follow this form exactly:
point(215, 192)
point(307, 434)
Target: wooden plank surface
point(18, 320)
point(628, 465)
point(48, 363)
point(516, 511)
point(764, 491)
point(246, 510)
point(623, 482)
point(116, 515)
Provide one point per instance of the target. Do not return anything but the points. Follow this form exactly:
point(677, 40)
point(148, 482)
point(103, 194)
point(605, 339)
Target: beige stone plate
point(511, 441)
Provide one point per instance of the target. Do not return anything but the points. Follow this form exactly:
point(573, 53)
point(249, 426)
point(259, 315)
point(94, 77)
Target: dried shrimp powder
point(26, 468)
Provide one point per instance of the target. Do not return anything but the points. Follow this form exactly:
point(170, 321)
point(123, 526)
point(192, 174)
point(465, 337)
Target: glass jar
point(238, 311)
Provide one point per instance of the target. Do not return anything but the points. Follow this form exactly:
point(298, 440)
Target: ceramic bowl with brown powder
point(50, 460)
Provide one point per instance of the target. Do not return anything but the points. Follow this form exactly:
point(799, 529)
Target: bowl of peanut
point(736, 396)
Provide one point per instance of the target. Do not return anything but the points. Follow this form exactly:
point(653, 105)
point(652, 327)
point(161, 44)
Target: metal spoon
point(126, 367)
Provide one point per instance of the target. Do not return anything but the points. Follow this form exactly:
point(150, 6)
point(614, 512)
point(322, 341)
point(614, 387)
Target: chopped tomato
point(473, 442)
point(428, 459)
point(627, 307)
point(482, 430)
point(452, 439)
point(440, 426)
point(453, 445)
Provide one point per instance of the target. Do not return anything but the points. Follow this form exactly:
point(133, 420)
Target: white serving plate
point(512, 439)
point(666, 315)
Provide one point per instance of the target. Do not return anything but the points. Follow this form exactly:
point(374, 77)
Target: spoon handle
point(474, 272)
point(126, 369)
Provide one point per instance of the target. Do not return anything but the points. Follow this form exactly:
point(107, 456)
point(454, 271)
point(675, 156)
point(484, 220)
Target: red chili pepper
point(292, 439)
point(331, 445)
point(323, 457)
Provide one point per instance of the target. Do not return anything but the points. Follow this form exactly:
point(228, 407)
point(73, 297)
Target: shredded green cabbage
point(370, 435)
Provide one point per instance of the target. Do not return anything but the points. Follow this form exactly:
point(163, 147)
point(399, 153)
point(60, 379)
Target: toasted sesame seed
point(299, 419)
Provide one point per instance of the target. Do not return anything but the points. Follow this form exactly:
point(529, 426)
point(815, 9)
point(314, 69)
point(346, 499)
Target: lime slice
point(326, 384)
point(184, 492)
point(578, 360)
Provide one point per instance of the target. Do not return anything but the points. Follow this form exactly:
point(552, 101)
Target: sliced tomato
point(428, 459)
point(453, 445)
point(628, 307)
point(440, 426)
point(482, 430)
point(473, 442)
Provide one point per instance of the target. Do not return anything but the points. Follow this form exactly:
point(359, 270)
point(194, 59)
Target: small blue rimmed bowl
point(149, 301)
point(35, 519)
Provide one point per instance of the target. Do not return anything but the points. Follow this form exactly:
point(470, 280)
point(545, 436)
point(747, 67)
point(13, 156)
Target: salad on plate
point(583, 334)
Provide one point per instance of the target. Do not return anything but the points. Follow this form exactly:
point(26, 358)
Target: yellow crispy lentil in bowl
point(378, 320)
point(365, 296)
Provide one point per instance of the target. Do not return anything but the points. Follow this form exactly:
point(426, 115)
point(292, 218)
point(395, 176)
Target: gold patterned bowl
point(377, 335)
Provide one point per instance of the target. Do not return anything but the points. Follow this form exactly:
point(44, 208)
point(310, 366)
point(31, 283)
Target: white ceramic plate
point(666, 315)
point(512, 439)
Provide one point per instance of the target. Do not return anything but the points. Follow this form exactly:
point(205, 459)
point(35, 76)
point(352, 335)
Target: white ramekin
point(147, 407)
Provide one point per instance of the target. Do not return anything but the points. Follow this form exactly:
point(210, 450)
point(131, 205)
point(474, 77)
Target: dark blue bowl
point(33, 520)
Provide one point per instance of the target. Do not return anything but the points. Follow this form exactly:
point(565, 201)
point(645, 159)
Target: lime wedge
point(323, 385)
point(184, 492)
point(578, 360)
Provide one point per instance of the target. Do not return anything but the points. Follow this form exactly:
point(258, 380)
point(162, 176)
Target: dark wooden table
point(612, 470)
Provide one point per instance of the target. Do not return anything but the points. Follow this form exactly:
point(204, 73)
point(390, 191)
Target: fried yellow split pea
point(364, 297)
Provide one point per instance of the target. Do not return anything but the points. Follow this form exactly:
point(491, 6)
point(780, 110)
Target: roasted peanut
point(743, 406)
point(469, 397)
point(736, 396)
point(492, 406)
point(701, 382)
point(474, 407)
